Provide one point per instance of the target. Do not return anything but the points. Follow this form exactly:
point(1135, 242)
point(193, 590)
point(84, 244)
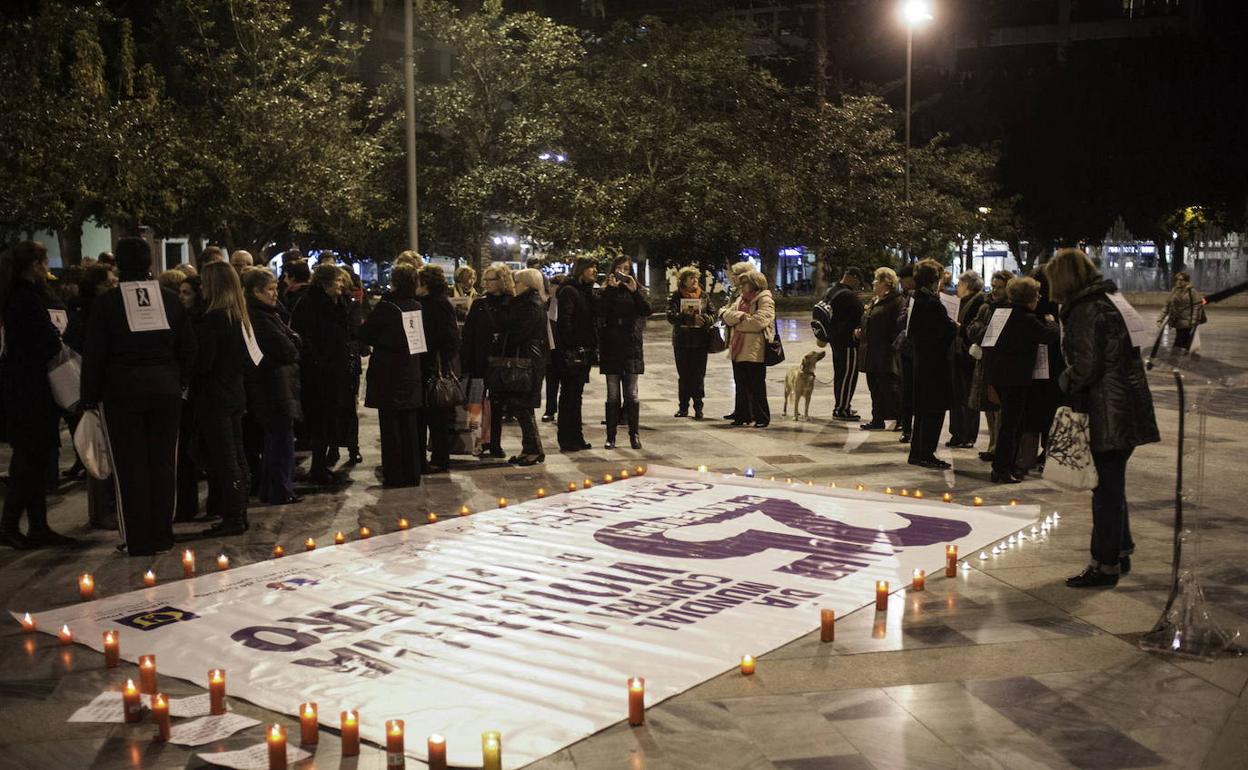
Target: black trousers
point(530, 439)
point(253, 446)
point(1111, 524)
point(552, 384)
point(225, 457)
point(143, 441)
point(1009, 427)
point(571, 391)
point(906, 416)
point(691, 376)
point(402, 447)
point(1183, 338)
point(963, 420)
point(885, 394)
point(187, 506)
point(752, 403)
point(28, 490)
point(926, 434)
point(844, 375)
point(438, 421)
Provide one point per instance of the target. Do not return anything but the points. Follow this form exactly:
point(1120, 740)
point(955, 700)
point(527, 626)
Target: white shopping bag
point(1068, 460)
point(65, 378)
point(92, 445)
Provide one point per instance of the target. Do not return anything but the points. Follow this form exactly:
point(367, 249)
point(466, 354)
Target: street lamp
point(914, 13)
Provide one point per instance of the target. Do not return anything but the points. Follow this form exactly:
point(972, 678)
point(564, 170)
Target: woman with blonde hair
point(877, 329)
point(219, 398)
point(524, 336)
point(484, 322)
point(172, 280)
point(465, 282)
point(751, 324)
point(692, 325)
point(736, 272)
point(1104, 378)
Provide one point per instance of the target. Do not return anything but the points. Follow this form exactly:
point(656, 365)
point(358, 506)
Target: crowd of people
point(220, 372)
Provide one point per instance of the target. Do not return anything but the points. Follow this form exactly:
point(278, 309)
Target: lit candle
point(491, 750)
point(624, 474)
point(502, 502)
point(905, 492)
point(918, 493)
point(888, 490)
point(223, 562)
point(394, 743)
point(978, 500)
point(919, 581)
point(339, 538)
point(188, 563)
point(881, 595)
point(951, 560)
point(860, 488)
point(160, 717)
point(365, 533)
point(701, 469)
point(278, 552)
point(350, 733)
point(132, 705)
point(309, 729)
point(112, 650)
point(1056, 515)
point(431, 518)
point(463, 510)
point(572, 486)
point(586, 484)
point(28, 624)
point(86, 587)
point(946, 497)
point(982, 556)
point(788, 480)
point(636, 701)
point(66, 636)
point(747, 665)
point(147, 674)
point(640, 470)
point(1013, 501)
point(149, 579)
point(309, 545)
point(404, 523)
point(277, 747)
point(607, 478)
point(827, 625)
point(216, 691)
point(541, 492)
point(437, 752)
point(832, 484)
point(809, 483)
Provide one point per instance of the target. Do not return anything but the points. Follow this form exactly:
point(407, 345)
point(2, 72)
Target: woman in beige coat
point(751, 323)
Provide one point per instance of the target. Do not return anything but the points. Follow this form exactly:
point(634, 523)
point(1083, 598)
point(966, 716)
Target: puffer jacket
point(1104, 374)
point(756, 325)
point(273, 387)
point(1184, 308)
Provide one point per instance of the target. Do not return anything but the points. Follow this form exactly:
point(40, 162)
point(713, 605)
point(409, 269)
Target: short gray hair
point(972, 281)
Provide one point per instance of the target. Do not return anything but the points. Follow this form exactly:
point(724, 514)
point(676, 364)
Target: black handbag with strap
point(443, 391)
point(773, 352)
point(509, 375)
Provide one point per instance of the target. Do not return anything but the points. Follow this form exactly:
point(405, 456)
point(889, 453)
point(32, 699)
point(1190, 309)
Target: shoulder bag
point(773, 353)
point(509, 375)
point(444, 390)
point(1068, 460)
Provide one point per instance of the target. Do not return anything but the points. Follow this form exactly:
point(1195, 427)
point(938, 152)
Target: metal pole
point(909, 59)
point(409, 77)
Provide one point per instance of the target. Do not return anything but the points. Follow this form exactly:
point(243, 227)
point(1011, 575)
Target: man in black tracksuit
point(576, 340)
point(136, 379)
point(847, 311)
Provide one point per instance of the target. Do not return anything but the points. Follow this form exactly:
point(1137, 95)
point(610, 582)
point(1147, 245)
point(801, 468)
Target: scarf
point(695, 294)
point(738, 341)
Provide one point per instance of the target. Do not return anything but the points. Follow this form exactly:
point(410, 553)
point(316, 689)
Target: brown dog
point(800, 382)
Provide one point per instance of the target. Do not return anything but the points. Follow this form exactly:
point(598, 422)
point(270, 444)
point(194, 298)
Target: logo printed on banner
point(152, 619)
point(291, 584)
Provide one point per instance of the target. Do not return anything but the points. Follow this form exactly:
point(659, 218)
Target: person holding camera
point(622, 309)
point(577, 342)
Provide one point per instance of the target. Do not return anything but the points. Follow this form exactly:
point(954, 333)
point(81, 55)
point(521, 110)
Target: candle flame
point(404, 524)
point(275, 731)
point(188, 555)
point(365, 532)
point(130, 688)
point(308, 711)
point(436, 739)
point(541, 491)
point(502, 502)
point(463, 510)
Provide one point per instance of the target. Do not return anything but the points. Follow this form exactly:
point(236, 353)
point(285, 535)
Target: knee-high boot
point(613, 419)
point(633, 410)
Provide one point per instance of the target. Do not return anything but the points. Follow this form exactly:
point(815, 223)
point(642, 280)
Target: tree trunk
point(768, 257)
point(823, 272)
point(69, 238)
point(821, 53)
point(1159, 245)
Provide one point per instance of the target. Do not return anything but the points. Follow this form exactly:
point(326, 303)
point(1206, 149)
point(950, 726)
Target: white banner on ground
point(529, 619)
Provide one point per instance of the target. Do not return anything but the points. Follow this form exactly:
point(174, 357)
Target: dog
point(800, 382)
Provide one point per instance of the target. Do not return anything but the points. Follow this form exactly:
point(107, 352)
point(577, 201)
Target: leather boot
point(613, 419)
point(697, 409)
point(633, 411)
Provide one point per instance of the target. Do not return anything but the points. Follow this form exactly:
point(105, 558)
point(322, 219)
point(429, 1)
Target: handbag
point(1068, 461)
point(509, 375)
point(773, 351)
point(65, 378)
point(715, 342)
point(92, 445)
point(443, 391)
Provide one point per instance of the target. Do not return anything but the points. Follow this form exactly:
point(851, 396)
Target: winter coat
point(847, 313)
point(1184, 307)
point(482, 324)
point(31, 341)
point(324, 363)
point(931, 333)
point(394, 380)
point(977, 395)
point(1012, 360)
point(220, 358)
point(524, 336)
point(968, 310)
point(621, 318)
point(273, 387)
point(685, 335)
point(124, 366)
point(441, 336)
point(1104, 374)
point(756, 325)
point(575, 332)
point(880, 324)
point(1045, 396)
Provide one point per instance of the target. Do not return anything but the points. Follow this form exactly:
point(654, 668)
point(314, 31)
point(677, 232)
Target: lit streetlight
point(914, 13)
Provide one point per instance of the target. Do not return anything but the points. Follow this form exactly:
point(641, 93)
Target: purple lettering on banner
point(836, 549)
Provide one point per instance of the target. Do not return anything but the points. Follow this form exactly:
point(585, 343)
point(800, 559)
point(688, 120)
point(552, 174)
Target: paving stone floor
point(1001, 667)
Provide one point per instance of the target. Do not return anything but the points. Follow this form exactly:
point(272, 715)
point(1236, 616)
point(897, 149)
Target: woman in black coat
point(621, 310)
point(877, 331)
point(220, 398)
point(1044, 396)
point(1011, 363)
point(394, 385)
point(1104, 379)
point(525, 335)
point(931, 332)
point(191, 295)
point(273, 387)
point(964, 418)
point(31, 415)
point(324, 366)
point(442, 339)
point(482, 326)
point(691, 339)
point(973, 334)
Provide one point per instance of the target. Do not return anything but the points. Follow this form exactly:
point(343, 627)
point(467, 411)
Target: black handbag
point(773, 353)
point(509, 375)
point(715, 341)
point(443, 391)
